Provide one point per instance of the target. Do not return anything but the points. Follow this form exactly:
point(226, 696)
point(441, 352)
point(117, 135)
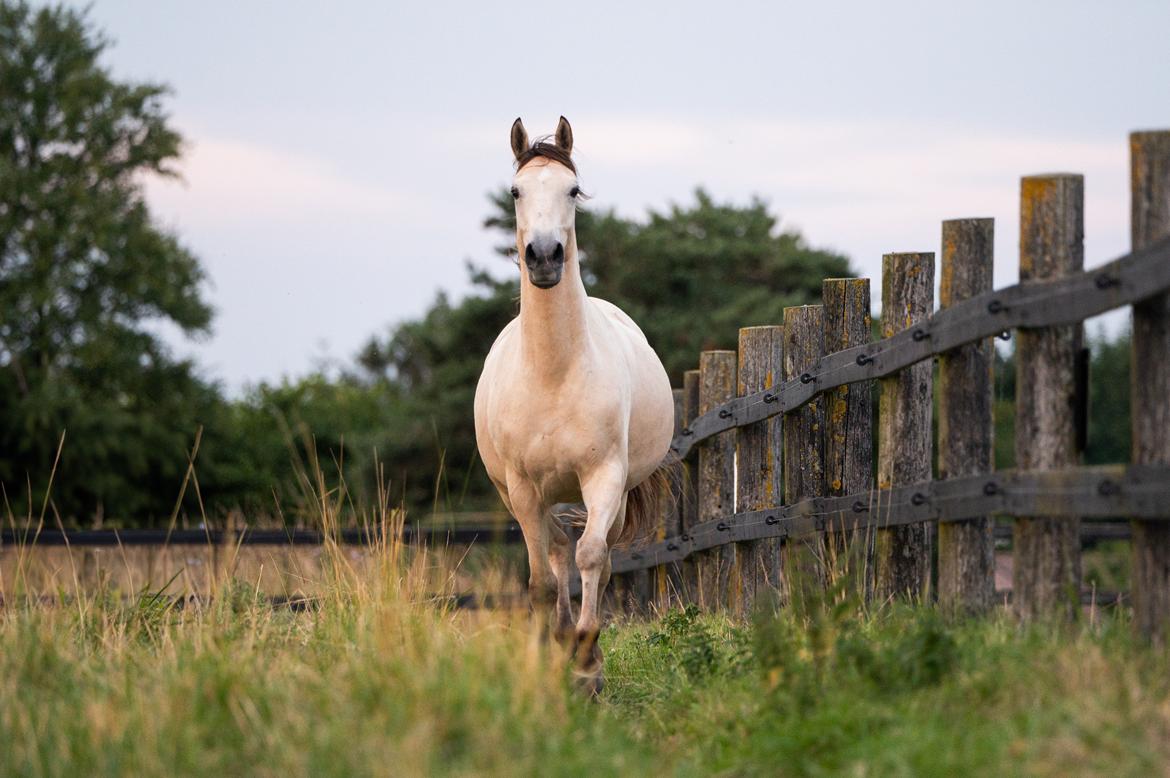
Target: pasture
point(384, 677)
point(782, 618)
point(381, 676)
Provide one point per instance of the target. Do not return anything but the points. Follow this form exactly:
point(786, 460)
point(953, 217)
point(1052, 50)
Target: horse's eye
point(574, 191)
point(515, 193)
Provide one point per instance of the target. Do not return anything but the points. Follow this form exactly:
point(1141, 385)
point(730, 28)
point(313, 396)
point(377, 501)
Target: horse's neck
point(554, 323)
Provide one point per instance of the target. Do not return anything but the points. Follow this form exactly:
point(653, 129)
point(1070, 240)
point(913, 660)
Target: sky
point(339, 154)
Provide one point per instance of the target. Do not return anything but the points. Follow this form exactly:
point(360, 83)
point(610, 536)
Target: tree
point(433, 364)
point(86, 274)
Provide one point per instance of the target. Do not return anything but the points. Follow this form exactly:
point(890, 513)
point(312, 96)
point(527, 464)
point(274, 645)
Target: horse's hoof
point(590, 684)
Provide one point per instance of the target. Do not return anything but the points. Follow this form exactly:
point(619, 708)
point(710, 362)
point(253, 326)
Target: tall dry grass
point(381, 675)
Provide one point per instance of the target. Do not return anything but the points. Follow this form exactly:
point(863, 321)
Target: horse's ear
point(519, 138)
point(565, 135)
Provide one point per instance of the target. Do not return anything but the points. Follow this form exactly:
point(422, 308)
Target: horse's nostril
point(544, 252)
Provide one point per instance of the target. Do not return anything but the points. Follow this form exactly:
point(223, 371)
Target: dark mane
point(543, 147)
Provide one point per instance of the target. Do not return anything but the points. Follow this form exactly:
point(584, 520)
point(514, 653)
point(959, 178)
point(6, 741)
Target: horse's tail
point(648, 502)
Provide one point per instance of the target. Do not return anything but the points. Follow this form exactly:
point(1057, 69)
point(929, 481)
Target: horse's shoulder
point(506, 334)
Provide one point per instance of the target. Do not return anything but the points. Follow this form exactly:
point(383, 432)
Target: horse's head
point(546, 192)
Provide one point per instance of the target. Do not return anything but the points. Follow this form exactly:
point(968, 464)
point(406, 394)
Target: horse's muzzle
point(546, 262)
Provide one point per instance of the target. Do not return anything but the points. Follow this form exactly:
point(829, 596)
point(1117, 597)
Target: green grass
point(900, 693)
point(382, 681)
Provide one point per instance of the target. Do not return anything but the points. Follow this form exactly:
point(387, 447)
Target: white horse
point(573, 405)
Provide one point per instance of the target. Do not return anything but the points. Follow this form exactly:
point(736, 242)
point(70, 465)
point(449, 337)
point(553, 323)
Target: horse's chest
point(558, 443)
point(557, 437)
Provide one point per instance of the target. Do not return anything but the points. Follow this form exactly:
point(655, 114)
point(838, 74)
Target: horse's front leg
point(534, 524)
point(604, 493)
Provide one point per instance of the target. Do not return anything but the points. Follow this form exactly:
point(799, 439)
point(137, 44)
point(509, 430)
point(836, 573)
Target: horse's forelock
point(543, 147)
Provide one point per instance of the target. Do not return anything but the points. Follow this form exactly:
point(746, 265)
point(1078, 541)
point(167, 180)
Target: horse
point(573, 406)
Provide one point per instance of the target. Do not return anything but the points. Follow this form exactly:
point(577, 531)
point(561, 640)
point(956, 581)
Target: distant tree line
point(86, 273)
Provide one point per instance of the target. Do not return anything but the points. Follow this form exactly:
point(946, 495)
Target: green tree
point(692, 276)
point(86, 275)
point(433, 364)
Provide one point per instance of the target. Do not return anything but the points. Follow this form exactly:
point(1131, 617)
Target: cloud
point(862, 187)
point(233, 180)
point(857, 185)
point(861, 156)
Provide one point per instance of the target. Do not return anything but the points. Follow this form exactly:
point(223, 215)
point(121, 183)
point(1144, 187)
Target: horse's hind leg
point(562, 567)
point(605, 499)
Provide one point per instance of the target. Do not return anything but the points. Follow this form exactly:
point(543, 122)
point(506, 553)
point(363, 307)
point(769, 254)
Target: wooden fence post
point(902, 553)
point(618, 595)
point(966, 549)
point(1150, 380)
point(641, 592)
point(804, 449)
point(848, 428)
point(1047, 565)
point(758, 455)
point(689, 569)
point(716, 475)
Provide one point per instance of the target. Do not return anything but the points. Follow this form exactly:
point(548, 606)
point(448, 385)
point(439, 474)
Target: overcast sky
point(339, 153)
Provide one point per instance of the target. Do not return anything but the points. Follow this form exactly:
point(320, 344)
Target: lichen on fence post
point(1047, 564)
point(758, 456)
point(966, 549)
point(902, 553)
point(804, 450)
point(716, 476)
point(1150, 380)
point(848, 429)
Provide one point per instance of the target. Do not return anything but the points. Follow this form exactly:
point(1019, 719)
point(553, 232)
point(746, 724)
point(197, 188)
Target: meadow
point(382, 675)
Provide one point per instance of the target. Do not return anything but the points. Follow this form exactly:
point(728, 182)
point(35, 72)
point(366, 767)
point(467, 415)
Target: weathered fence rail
point(811, 478)
point(1118, 491)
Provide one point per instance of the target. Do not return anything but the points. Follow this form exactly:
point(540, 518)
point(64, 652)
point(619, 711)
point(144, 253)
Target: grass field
point(102, 672)
point(382, 679)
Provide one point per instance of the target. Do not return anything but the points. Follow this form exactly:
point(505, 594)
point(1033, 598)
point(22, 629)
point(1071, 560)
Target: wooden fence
point(779, 435)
